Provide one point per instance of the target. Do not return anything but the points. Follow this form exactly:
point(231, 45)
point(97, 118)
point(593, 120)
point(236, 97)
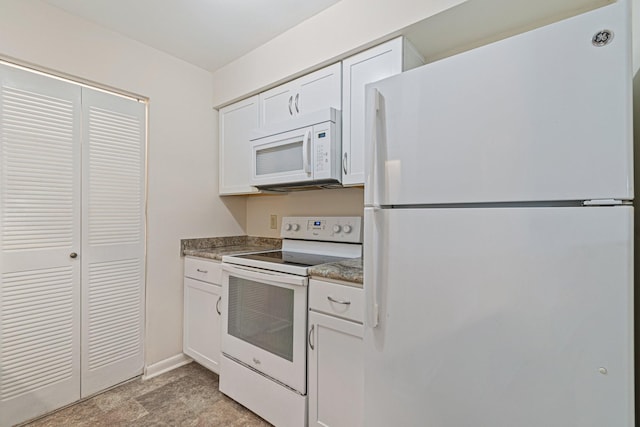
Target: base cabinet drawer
point(202, 269)
point(336, 372)
point(201, 335)
point(337, 300)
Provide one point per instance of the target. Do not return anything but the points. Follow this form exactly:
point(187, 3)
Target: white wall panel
point(113, 239)
point(40, 223)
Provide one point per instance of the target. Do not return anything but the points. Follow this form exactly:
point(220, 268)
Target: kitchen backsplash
point(336, 202)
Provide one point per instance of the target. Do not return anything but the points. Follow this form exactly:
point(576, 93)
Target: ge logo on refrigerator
point(602, 38)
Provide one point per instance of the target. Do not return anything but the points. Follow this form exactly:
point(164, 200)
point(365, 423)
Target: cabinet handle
point(218, 305)
point(338, 301)
point(202, 271)
point(73, 255)
point(290, 101)
point(344, 163)
point(297, 97)
point(311, 332)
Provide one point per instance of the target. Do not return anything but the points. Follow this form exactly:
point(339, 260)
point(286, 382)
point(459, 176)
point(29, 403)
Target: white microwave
point(300, 152)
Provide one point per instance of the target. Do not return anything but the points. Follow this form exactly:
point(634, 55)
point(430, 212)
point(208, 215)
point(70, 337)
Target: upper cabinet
point(315, 91)
point(236, 121)
point(385, 60)
point(340, 86)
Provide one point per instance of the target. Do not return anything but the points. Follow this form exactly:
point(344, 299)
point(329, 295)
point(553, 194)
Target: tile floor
point(187, 396)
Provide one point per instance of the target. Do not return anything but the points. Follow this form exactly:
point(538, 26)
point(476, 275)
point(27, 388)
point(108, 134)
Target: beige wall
point(344, 28)
point(438, 28)
point(182, 159)
point(183, 154)
point(343, 202)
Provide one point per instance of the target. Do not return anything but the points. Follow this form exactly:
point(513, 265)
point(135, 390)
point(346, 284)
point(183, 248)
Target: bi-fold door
point(71, 242)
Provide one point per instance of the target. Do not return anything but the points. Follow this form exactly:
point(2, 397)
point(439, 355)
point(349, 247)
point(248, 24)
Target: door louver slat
point(22, 371)
point(31, 123)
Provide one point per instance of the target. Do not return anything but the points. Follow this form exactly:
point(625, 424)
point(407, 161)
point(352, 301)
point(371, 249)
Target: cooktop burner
point(291, 258)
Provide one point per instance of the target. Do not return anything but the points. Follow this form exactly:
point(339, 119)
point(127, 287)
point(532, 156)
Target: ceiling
point(206, 33)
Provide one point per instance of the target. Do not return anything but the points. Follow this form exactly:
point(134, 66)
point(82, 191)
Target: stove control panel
point(346, 229)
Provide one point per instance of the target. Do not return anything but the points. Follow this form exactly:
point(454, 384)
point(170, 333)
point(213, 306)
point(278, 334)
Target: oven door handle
point(268, 277)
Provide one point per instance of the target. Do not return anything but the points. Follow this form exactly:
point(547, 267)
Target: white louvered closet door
point(40, 228)
point(113, 200)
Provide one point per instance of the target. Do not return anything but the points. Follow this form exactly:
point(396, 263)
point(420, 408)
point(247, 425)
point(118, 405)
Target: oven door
point(264, 322)
point(282, 158)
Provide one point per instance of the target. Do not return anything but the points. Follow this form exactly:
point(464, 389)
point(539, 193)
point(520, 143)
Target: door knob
point(73, 255)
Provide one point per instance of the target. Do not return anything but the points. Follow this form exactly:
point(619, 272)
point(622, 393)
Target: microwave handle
point(306, 144)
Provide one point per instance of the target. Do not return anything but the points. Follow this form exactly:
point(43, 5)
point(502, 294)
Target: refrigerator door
point(500, 317)
point(542, 116)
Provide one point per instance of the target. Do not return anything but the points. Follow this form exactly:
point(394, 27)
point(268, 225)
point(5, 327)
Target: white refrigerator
point(498, 249)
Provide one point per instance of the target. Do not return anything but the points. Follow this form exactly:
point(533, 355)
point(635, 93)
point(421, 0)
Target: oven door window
point(261, 315)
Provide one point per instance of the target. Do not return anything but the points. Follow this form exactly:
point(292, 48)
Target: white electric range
point(264, 322)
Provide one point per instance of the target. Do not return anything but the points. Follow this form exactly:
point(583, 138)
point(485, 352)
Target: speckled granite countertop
point(347, 271)
point(217, 247)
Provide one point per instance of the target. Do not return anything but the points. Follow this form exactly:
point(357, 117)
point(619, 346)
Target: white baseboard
point(165, 365)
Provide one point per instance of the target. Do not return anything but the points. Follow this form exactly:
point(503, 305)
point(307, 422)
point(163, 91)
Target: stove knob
point(346, 229)
point(296, 227)
point(337, 228)
point(287, 227)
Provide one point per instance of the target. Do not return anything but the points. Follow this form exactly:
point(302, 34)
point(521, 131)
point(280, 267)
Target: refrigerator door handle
point(372, 175)
point(372, 261)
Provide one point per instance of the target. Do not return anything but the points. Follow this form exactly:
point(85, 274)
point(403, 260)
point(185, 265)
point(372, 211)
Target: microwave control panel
point(346, 229)
point(325, 147)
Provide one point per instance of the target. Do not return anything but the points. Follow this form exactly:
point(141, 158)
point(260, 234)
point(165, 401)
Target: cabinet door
point(319, 90)
point(312, 92)
point(40, 155)
point(201, 341)
point(277, 104)
point(236, 121)
point(336, 372)
point(359, 70)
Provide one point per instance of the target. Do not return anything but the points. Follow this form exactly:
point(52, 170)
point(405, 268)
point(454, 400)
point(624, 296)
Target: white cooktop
point(307, 242)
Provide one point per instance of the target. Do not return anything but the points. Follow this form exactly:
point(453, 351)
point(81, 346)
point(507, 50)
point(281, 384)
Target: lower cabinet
point(336, 371)
point(202, 320)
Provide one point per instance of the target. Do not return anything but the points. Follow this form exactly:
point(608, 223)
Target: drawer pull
point(337, 301)
point(202, 271)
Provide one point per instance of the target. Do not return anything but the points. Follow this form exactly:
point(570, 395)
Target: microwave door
point(282, 158)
